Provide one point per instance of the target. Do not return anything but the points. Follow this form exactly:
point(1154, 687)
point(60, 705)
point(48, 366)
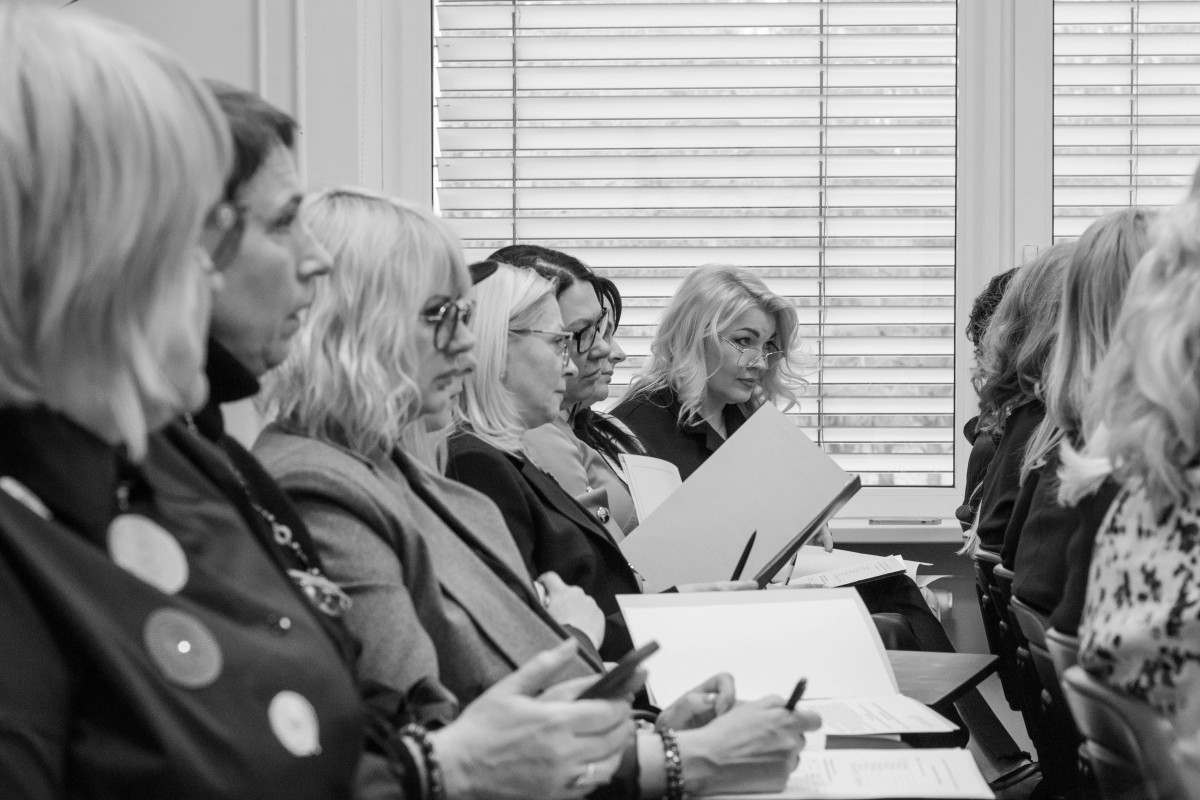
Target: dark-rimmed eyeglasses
point(749, 356)
point(445, 320)
point(586, 339)
point(560, 339)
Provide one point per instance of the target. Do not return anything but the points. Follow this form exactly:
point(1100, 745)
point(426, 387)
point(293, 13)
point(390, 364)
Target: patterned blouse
point(1141, 623)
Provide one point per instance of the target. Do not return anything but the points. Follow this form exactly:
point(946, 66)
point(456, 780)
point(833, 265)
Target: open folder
point(766, 641)
point(768, 477)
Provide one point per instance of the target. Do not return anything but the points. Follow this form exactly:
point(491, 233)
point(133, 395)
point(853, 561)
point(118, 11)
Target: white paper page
point(844, 576)
point(766, 640)
point(936, 774)
point(768, 477)
point(892, 713)
point(651, 481)
point(812, 559)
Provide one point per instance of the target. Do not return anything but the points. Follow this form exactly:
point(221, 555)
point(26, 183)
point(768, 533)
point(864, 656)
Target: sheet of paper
point(865, 774)
point(766, 640)
point(876, 567)
point(891, 713)
point(651, 481)
point(768, 477)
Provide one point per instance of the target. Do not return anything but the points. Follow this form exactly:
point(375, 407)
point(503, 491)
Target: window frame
point(1004, 194)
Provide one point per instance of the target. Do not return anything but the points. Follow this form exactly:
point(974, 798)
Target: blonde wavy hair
point(1020, 337)
point(111, 155)
point(1093, 290)
point(348, 378)
point(710, 298)
point(1145, 402)
point(510, 299)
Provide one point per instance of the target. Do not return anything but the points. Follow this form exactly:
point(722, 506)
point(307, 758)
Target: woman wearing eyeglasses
point(520, 384)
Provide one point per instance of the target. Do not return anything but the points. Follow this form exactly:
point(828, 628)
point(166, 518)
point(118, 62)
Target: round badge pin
point(294, 723)
point(183, 648)
point(142, 547)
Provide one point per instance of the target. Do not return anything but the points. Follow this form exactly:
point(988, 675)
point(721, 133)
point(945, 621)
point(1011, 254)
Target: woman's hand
point(511, 743)
point(717, 586)
point(825, 537)
point(701, 705)
point(570, 605)
point(752, 748)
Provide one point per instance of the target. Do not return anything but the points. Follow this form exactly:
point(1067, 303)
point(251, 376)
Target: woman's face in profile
point(534, 370)
point(729, 381)
point(440, 371)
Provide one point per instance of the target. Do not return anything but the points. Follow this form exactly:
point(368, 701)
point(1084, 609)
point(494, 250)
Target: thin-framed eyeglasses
point(749, 356)
point(586, 338)
point(560, 339)
point(445, 320)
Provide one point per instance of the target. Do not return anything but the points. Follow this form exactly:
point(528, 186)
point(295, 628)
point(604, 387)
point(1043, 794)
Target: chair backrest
point(1064, 650)
point(985, 563)
point(1130, 745)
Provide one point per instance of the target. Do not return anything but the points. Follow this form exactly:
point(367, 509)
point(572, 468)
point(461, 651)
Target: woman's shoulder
point(643, 404)
point(303, 463)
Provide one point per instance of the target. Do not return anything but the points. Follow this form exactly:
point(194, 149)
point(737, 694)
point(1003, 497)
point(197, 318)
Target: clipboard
point(768, 476)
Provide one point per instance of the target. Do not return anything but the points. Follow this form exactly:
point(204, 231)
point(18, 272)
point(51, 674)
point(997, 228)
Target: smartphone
point(616, 682)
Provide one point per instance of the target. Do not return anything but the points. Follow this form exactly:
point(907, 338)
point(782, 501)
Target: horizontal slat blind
point(1126, 106)
point(811, 140)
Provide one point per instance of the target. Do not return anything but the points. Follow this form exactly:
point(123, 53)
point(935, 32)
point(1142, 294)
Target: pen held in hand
point(797, 693)
point(741, 564)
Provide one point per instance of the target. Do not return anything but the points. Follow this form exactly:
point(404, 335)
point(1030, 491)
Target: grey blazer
point(438, 593)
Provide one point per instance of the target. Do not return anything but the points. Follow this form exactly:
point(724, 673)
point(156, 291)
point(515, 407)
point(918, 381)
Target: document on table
point(766, 641)
point(768, 477)
point(815, 567)
point(651, 481)
point(867, 774)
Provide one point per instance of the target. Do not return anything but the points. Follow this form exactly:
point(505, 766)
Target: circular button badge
point(294, 723)
point(183, 648)
point(142, 547)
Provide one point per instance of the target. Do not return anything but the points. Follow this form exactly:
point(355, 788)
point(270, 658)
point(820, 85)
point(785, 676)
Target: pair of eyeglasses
point(586, 339)
point(560, 339)
point(749, 356)
point(445, 320)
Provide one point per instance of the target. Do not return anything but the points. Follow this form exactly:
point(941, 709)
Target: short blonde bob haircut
point(508, 300)
point(349, 376)
point(111, 155)
point(1145, 401)
point(710, 298)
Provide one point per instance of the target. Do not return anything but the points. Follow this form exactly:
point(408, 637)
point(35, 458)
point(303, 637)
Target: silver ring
point(588, 778)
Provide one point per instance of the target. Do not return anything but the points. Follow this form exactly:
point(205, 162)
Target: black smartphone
point(616, 682)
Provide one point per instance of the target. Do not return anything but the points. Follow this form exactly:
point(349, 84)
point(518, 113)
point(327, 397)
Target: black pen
point(741, 565)
point(797, 693)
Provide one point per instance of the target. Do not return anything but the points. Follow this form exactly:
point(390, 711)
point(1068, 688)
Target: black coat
point(654, 418)
point(552, 530)
point(1002, 484)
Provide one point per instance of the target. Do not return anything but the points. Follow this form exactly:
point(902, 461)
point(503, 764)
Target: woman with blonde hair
point(1039, 529)
point(140, 658)
point(725, 346)
point(1140, 630)
point(1017, 344)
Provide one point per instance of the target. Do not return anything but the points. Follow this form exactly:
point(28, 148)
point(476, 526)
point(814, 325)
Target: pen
point(737, 571)
point(797, 693)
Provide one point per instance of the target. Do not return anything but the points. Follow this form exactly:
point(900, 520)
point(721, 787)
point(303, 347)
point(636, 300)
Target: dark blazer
point(1092, 511)
point(552, 531)
point(98, 697)
point(654, 418)
point(1002, 484)
point(440, 593)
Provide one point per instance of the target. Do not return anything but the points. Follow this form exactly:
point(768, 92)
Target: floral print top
point(1141, 622)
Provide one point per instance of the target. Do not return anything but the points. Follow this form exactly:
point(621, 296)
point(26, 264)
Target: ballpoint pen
point(797, 693)
point(741, 564)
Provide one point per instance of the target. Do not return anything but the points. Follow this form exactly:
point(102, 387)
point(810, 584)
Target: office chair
point(985, 563)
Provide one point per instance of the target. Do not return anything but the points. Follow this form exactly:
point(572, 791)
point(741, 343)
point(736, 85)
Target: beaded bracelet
point(673, 764)
point(433, 770)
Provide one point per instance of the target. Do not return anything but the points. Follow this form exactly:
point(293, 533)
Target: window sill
point(858, 530)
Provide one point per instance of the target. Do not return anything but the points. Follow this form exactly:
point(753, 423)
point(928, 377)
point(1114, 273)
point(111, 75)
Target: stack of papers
point(766, 641)
point(815, 567)
point(866, 774)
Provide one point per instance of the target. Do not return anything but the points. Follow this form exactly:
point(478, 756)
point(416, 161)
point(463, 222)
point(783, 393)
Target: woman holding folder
point(727, 345)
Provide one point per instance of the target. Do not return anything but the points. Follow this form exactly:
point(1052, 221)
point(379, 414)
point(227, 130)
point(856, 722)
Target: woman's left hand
point(826, 538)
point(701, 705)
point(570, 605)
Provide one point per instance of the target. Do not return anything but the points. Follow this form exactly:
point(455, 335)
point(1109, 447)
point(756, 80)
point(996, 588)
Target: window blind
point(1126, 106)
point(812, 141)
